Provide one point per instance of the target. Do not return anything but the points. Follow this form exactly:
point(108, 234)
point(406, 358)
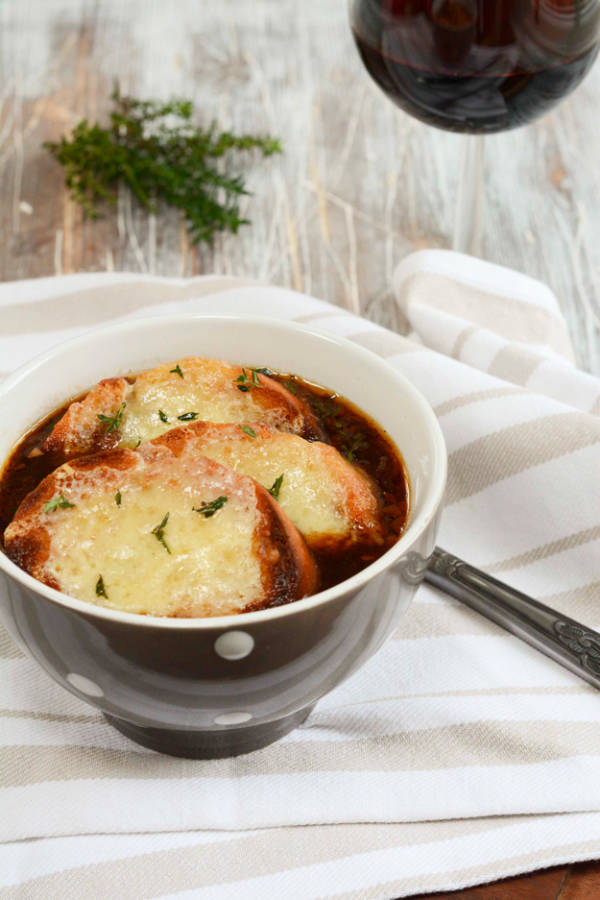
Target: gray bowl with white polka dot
point(228, 685)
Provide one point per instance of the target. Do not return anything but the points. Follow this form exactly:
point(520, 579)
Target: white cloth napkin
point(457, 754)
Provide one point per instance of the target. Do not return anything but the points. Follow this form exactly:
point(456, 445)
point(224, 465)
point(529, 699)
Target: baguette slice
point(140, 531)
point(331, 502)
point(117, 412)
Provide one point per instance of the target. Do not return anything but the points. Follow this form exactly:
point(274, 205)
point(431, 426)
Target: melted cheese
point(116, 412)
point(212, 568)
point(207, 388)
point(323, 495)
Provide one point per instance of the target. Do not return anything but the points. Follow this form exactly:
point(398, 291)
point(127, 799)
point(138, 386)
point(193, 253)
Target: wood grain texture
point(582, 883)
point(360, 184)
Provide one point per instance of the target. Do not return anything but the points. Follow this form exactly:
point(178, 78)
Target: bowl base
point(210, 744)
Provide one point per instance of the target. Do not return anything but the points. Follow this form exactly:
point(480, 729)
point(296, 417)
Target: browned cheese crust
point(332, 502)
point(92, 529)
point(120, 412)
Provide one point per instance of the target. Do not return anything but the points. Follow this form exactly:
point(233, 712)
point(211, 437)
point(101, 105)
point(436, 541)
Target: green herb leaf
point(113, 423)
point(356, 443)
point(276, 486)
point(245, 383)
point(188, 417)
point(249, 431)
point(325, 407)
point(162, 416)
point(154, 149)
point(209, 509)
point(291, 386)
point(100, 589)
point(139, 441)
point(176, 371)
point(159, 532)
point(58, 502)
point(264, 370)
point(118, 498)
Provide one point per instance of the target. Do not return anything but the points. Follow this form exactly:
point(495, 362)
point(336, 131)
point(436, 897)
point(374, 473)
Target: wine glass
point(476, 66)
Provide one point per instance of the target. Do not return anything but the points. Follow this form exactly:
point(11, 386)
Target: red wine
point(477, 65)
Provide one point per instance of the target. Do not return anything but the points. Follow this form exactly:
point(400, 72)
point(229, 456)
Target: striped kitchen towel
point(457, 754)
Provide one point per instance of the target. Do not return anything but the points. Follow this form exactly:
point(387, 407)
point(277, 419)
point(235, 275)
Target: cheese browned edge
point(332, 502)
point(258, 557)
point(153, 402)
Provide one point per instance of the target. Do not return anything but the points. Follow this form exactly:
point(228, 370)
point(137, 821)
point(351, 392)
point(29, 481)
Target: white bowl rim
point(239, 620)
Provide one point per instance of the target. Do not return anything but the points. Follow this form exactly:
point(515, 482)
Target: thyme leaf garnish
point(58, 502)
point(249, 431)
point(209, 509)
point(276, 486)
point(100, 589)
point(176, 371)
point(159, 532)
point(162, 416)
point(325, 407)
point(353, 445)
point(245, 383)
point(188, 416)
point(113, 423)
point(118, 498)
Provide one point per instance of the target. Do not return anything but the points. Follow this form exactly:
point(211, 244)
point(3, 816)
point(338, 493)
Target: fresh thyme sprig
point(113, 423)
point(209, 509)
point(58, 502)
point(155, 150)
point(159, 532)
point(244, 383)
point(276, 486)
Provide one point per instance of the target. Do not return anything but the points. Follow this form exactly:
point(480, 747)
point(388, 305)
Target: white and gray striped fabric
point(457, 754)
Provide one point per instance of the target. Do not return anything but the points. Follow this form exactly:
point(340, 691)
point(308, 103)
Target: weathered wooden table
point(359, 186)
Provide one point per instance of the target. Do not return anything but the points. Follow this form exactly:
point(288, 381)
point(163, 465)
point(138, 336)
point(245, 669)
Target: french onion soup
point(199, 488)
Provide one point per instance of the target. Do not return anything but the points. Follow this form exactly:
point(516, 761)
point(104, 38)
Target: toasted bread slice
point(159, 533)
point(82, 430)
point(118, 413)
point(330, 501)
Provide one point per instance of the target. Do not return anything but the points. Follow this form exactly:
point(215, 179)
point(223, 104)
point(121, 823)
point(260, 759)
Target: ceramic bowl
point(222, 686)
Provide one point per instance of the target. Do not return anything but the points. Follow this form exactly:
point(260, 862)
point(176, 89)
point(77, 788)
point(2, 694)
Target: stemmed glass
point(476, 66)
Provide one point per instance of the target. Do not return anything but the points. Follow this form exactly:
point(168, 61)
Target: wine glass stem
point(468, 224)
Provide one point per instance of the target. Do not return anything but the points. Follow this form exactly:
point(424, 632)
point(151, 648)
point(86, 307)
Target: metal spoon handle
point(564, 640)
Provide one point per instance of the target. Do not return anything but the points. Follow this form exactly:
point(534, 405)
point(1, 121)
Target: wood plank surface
point(359, 186)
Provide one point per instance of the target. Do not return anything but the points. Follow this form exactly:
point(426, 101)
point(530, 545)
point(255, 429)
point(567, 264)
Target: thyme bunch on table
point(156, 151)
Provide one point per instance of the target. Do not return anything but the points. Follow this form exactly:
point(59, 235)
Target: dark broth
point(344, 426)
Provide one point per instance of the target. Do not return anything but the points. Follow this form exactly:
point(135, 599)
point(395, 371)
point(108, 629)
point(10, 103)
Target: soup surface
point(357, 438)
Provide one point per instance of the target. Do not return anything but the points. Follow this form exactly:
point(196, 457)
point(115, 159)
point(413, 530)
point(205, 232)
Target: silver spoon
point(564, 640)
